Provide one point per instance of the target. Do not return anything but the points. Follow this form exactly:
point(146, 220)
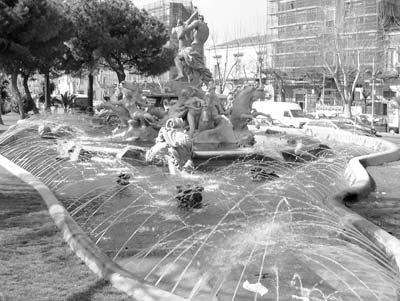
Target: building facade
point(307, 34)
point(301, 26)
point(239, 61)
point(169, 11)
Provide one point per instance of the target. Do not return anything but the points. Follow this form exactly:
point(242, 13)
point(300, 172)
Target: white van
point(289, 113)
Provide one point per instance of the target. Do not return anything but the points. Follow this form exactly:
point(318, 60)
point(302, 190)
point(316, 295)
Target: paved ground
point(35, 263)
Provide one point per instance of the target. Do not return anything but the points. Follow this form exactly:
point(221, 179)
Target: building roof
point(247, 41)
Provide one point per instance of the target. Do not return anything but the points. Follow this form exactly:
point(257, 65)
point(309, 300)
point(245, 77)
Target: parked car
point(380, 122)
point(289, 113)
point(367, 118)
point(266, 124)
point(316, 115)
point(80, 102)
point(339, 124)
point(361, 126)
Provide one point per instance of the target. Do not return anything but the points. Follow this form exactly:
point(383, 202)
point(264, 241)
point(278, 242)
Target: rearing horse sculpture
point(242, 111)
point(128, 108)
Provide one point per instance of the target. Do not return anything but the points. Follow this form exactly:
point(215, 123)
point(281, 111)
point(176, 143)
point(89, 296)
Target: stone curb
point(361, 185)
point(85, 248)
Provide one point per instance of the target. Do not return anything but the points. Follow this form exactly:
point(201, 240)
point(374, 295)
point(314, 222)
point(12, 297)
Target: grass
point(35, 262)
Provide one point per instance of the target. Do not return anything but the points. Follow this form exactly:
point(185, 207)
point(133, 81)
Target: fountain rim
point(361, 185)
point(97, 261)
point(125, 281)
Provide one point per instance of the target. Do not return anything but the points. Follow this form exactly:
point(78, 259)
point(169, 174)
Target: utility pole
point(373, 92)
point(323, 89)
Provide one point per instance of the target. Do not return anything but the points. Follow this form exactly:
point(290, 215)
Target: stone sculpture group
point(197, 118)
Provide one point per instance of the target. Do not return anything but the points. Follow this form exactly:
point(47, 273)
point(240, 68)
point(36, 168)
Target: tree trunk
point(347, 109)
point(283, 95)
point(17, 94)
point(1, 107)
point(47, 101)
point(28, 94)
point(90, 93)
point(364, 106)
point(121, 75)
point(118, 68)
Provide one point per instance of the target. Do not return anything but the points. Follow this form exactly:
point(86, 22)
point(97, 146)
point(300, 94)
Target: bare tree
point(224, 72)
point(348, 51)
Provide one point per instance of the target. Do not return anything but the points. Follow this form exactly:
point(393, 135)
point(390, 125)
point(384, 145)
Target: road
point(394, 138)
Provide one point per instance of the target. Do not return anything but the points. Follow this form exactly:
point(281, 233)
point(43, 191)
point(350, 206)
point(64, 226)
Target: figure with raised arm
point(178, 40)
point(192, 57)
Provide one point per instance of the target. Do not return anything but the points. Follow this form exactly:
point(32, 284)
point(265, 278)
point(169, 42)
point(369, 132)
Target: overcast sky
point(229, 19)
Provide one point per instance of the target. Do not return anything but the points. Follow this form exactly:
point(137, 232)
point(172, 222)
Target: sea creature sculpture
point(189, 197)
point(259, 173)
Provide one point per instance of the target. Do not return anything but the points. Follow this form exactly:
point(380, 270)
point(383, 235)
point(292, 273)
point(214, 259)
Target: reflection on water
point(252, 240)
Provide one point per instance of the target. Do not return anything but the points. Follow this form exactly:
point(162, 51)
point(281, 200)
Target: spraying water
point(269, 239)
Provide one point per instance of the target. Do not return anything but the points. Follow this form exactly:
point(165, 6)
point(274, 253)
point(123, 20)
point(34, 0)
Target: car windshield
point(297, 113)
point(343, 125)
point(363, 119)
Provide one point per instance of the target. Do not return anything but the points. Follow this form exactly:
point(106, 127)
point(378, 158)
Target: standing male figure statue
point(192, 56)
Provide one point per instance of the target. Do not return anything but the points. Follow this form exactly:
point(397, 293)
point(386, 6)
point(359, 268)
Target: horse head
point(130, 88)
point(248, 95)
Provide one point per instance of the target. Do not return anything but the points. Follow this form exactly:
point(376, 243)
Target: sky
point(229, 19)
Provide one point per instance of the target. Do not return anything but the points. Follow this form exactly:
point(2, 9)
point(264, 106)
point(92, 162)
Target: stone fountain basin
point(360, 185)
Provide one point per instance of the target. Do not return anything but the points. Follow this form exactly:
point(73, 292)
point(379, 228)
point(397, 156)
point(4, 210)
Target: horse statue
point(212, 126)
point(242, 113)
point(135, 122)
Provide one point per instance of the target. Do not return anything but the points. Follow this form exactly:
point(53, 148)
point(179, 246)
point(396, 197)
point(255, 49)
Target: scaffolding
point(297, 28)
point(169, 11)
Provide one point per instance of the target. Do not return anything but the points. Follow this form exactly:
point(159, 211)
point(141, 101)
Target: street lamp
point(237, 56)
point(373, 78)
point(217, 58)
point(373, 92)
point(260, 60)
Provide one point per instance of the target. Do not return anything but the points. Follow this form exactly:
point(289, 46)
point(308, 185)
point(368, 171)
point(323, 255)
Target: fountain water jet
point(270, 233)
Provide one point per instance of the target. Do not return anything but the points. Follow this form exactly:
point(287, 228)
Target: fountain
point(213, 213)
point(270, 238)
